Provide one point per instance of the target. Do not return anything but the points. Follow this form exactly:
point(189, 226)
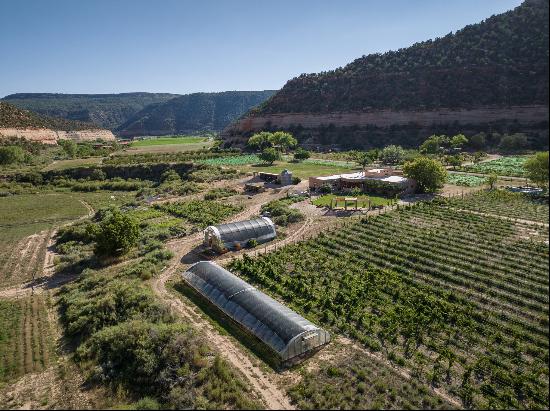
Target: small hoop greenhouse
point(287, 333)
point(234, 236)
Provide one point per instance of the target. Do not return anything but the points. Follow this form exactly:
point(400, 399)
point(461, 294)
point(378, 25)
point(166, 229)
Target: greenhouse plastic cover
point(272, 322)
point(261, 229)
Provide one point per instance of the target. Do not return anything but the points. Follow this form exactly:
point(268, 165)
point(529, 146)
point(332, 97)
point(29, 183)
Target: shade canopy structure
point(234, 236)
point(287, 333)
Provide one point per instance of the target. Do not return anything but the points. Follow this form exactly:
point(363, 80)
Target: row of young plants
point(505, 203)
point(200, 212)
point(357, 382)
point(436, 290)
point(126, 338)
point(25, 337)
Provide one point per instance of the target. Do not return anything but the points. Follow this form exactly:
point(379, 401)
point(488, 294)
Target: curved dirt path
point(273, 396)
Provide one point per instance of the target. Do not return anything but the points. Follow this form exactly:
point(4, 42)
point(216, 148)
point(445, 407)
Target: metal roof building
point(284, 331)
point(234, 236)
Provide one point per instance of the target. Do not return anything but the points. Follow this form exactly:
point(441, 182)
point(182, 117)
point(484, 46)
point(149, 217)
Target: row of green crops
point(504, 203)
point(458, 299)
point(232, 161)
point(466, 180)
point(200, 212)
point(505, 166)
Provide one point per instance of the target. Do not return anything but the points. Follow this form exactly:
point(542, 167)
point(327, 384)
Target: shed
point(285, 178)
point(234, 236)
point(287, 333)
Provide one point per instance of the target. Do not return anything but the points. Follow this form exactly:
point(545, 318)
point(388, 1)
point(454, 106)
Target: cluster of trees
point(12, 155)
point(501, 61)
point(273, 144)
point(441, 144)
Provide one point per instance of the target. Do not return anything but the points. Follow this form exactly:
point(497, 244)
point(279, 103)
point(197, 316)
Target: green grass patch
point(162, 141)
point(302, 170)
point(73, 163)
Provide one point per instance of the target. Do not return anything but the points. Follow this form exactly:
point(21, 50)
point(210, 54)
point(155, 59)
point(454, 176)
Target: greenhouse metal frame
point(234, 236)
point(287, 333)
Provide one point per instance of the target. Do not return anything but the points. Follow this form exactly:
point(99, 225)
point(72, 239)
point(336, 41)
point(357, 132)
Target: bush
point(301, 154)
point(11, 155)
point(252, 243)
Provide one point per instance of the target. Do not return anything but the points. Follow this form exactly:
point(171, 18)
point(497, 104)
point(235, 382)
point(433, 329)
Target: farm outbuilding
point(287, 333)
point(234, 236)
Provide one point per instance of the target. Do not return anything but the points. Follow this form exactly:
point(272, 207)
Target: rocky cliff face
point(48, 136)
point(520, 116)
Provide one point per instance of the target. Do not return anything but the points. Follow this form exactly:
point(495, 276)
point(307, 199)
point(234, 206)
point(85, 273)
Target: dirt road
point(263, 383)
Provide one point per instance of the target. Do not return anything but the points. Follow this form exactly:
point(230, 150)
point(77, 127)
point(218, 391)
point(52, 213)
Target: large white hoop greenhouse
point(287, 333)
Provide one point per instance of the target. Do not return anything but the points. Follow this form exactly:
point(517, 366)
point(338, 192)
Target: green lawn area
point(75, 162)
point(168, 145)
point(324, 201)
point(162, 141)
point(302, 170)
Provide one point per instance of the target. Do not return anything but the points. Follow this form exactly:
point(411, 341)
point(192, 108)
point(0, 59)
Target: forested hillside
point(14, 117)
point(193, 112)
point(105, 110)
point(502, 61)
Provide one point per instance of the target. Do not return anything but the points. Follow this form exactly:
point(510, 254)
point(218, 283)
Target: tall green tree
point(260, 140)
point(270, 155)
point(392, 155)
point(283, 140)
point(429, 174)
point(537, 169)
point(459, 141)
point(115, 235)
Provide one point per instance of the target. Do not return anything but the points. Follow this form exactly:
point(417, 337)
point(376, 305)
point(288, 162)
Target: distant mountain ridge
point(131, 114)
point(433, 86)
point(105, 110)
point(193, 113)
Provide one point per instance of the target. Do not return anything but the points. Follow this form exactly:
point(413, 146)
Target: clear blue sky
point(183, 46)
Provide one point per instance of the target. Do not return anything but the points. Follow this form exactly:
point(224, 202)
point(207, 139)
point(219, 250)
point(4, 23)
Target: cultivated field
point(505, 166)
point(169, 145)
point(26, 343)
point(449, 295)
